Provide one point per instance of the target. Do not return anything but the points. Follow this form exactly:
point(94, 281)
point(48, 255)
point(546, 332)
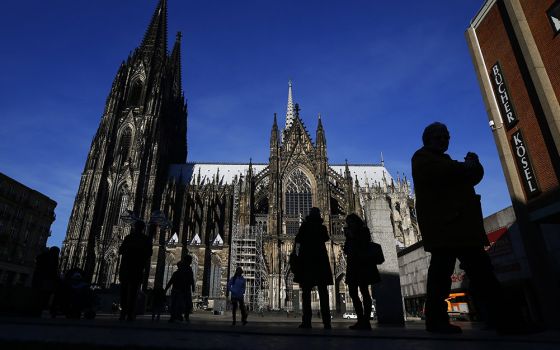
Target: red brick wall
point(547, 41)
point(496, 46)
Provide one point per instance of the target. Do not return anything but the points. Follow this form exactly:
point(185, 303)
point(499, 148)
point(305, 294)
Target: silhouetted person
point(182, 282)
point(236, 286)
point(75, 295)
point(451, 223)
point(361, 270)
point(45, 280)
point(190, 289)
point(135, 249)
point(315, 269)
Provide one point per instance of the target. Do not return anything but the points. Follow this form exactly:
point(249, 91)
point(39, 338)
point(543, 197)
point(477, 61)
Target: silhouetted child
point(182, 281)
point(158, 303)
point(236, 286)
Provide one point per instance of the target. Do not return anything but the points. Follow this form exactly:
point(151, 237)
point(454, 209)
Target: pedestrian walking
point(236, 287)
point(450, 219)
point(45, 281)
point(182, 283)
point(136, 250)
point(361, 269)
point(313, 266)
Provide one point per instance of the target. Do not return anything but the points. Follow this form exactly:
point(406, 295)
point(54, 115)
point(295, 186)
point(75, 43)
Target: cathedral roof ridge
point(358, 164)
point(221, 163)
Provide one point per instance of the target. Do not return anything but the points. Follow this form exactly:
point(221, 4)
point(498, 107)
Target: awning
point(494, 236)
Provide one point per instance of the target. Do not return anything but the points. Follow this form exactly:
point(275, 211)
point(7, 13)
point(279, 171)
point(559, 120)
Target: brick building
point(515, 48)
point(25, 221)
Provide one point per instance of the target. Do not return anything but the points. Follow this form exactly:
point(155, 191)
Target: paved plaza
point(206, 331)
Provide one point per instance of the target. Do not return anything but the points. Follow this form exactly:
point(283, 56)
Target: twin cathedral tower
point(223, 214)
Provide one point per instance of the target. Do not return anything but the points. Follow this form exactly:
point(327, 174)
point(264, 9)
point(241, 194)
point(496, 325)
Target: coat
point(182, 280)
point(135, 249)
point(315, 268)
point(236, 286)
point(447, 207)
point(360, 267)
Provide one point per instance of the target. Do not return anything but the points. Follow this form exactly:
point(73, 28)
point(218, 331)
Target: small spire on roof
point(290, 107)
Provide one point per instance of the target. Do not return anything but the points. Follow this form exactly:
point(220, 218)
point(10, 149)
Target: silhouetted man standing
point(450, 220)
point(135, 249)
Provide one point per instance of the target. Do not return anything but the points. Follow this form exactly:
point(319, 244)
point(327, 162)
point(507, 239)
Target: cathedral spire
point(175, 60)
point(155, 39)
point(274, 135)
point(290, 108)
point(347, 173)
point(320, 135)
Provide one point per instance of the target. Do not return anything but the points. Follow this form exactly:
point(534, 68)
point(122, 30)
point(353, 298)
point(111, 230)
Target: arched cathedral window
point(124, 144)
point(120, 204)
point(135, 94)
point(298, 200)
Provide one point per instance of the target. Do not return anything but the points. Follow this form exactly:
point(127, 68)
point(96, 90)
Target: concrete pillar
point(387, 293)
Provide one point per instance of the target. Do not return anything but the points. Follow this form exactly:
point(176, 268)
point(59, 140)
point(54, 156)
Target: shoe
point(244, 322)
point(444, 328)
point(304, 326)
point(233, 323)
point(327, 326)
point(355, 326)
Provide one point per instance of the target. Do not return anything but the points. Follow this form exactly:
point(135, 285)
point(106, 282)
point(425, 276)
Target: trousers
point(306, 304)
point(483, 282)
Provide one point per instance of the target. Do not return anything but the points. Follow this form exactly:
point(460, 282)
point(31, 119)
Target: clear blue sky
point(377, 71)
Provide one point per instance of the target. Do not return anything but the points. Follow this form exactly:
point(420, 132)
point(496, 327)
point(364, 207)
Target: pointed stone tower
point(142, 131)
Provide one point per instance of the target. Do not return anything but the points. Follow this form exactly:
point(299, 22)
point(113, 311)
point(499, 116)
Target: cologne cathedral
point(223, 214)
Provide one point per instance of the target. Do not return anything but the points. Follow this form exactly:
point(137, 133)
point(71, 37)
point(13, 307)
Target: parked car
point(349, 315)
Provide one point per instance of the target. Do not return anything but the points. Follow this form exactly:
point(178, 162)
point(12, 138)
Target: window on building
point(124, 144)
point(554, 16)
point(135, 95)
point(298, 200)
point(298, 194)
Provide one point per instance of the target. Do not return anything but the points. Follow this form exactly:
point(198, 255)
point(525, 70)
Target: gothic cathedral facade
point(223, 214)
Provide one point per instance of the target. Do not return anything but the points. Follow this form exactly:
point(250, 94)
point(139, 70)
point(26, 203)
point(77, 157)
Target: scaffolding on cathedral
point(247, 253)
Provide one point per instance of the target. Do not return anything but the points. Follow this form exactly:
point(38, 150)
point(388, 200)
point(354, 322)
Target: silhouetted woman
point(314, 268)
point(361, 271)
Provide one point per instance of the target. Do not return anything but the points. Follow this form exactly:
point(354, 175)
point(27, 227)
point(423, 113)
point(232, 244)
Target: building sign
point(502, 96)
point(524, 165)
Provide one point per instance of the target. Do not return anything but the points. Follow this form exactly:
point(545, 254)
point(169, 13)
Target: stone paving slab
point(216, 332)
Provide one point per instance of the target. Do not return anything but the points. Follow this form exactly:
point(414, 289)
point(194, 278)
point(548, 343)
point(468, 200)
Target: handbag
point(295, 262)
point(375, 253)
